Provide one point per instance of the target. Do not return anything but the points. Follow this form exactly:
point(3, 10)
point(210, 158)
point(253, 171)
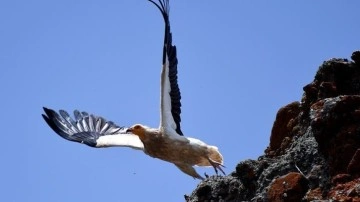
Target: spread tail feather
point(215, 155)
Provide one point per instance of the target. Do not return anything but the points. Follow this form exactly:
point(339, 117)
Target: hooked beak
point(129, 130)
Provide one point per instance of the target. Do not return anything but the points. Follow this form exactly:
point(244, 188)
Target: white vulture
point(166, 142)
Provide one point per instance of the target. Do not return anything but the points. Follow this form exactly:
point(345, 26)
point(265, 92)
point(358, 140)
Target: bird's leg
point(189, 170)
point(216, 166)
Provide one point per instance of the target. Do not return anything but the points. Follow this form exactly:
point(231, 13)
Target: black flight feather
point(170, 51)
point(84, 129)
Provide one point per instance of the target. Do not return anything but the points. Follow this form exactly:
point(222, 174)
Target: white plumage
point(166, 142)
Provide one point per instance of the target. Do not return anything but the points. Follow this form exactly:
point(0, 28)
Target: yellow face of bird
point(138, 130)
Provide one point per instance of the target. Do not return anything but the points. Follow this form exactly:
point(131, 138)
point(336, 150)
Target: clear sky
point(239, 62)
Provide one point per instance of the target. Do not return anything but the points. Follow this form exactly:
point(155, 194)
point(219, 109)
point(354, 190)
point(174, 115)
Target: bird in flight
point(166, 142)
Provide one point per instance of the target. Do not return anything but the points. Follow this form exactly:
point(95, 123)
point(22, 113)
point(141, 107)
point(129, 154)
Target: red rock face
point(314, 150)
point(284, 129)
point(290, 187)
point(349, 191)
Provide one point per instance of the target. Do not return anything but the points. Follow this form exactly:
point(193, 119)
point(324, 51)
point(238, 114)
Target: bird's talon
point(217, 166)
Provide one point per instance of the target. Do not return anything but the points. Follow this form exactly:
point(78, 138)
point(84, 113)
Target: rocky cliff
point(314, 150)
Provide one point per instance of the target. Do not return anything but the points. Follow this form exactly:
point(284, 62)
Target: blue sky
point(239, 62)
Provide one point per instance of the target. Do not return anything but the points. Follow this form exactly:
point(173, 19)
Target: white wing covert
point(170, 92)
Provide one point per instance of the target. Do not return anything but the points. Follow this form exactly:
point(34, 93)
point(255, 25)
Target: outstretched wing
point(170, 92)
point(91, 130)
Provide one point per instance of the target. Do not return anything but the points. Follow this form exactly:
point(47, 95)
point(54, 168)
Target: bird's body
point(166, 142)
point(159, 145)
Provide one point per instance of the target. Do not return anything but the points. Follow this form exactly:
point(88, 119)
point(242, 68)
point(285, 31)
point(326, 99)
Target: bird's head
point(138, 130)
